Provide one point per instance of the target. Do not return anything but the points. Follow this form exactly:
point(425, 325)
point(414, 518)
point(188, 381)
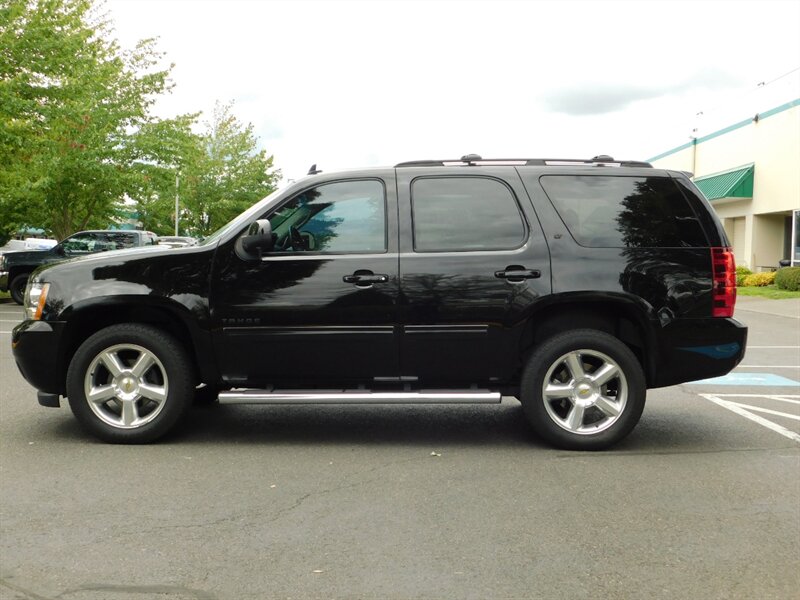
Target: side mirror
point(256, 240)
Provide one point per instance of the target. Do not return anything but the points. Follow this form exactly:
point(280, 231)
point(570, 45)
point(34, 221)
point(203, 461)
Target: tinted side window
point(149, 238)
point(632, 212)
point(81, 242)
point(464, 213)
point(340, 217)
point(121, 240)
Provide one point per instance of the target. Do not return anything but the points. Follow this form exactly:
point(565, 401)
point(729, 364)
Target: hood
point(112, 257)
point(152, 273)
point(18, 256)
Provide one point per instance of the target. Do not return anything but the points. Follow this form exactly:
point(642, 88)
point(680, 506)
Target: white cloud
point(348, 84)
point(598, 98)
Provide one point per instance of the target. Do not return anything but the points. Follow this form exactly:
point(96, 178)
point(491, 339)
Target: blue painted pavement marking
point(747, 379)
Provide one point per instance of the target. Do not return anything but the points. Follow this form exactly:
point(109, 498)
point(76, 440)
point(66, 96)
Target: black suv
point(572, 285)
point(16, 266)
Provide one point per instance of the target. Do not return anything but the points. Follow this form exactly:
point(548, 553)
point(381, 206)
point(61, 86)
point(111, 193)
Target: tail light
point(723, 294)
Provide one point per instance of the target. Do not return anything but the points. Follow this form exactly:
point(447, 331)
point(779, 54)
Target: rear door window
point(624, 212)
point(465, 213)
point(117, 240)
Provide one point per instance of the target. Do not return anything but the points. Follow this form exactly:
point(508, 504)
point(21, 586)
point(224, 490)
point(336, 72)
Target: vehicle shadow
point(502, 425)
point(436, 426)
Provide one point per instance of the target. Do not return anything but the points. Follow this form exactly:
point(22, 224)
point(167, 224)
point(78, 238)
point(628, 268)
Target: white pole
point(177, 187)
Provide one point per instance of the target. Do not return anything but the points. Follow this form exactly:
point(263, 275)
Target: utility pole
point(177, 188)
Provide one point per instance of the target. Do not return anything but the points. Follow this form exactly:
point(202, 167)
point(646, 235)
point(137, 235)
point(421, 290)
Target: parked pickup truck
point(16, 267)
point(572, 285)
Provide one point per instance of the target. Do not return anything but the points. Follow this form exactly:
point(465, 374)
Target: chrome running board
point(252, 396)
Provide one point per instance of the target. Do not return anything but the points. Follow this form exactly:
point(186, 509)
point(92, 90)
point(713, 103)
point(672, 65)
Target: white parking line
point(779, 397)
point(763, 312)
point(768, 366)
point(784, 399)
point(759, 395)
point(768, 411)
point(739, 410)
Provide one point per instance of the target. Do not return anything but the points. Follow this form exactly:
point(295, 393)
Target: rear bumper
point(692, 349)
point(36, 346)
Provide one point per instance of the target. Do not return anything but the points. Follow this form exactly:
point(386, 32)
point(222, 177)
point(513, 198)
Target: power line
point(731, 100)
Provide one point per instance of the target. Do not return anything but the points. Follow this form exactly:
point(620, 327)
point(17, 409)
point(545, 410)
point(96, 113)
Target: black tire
point(17, 288)
point(583, 412)
point(151, 401)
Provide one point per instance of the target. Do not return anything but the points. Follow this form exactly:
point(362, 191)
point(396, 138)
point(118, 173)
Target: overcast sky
point(349, 84)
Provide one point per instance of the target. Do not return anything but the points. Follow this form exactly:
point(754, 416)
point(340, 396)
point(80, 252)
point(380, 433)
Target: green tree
point(70, 100)
point(221, 171)
point(227, 176)
point(159, 150)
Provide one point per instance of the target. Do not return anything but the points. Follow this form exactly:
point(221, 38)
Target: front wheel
point(583, 390)
point(17, 288)
point(129, 383)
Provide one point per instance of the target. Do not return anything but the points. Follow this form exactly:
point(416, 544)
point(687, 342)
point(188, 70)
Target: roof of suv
point(475, 160)
point(602, 160)
point(133, 231)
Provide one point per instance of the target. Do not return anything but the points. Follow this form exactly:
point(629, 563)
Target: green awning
point(736, 183)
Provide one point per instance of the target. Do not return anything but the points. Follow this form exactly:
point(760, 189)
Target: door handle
point(365, 279)
point(516, 273)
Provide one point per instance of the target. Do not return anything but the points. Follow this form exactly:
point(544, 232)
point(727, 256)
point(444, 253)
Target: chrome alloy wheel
point(126, 386)
point(585, 392)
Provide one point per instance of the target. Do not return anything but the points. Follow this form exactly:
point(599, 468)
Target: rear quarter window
point(624, 212)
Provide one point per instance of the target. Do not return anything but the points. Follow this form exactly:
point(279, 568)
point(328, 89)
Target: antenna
point(313, 170)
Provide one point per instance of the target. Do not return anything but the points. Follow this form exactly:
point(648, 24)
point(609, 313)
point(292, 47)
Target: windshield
point(242, 219)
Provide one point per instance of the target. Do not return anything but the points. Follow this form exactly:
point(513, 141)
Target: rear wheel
point(583, 390)
point(17, 288)
point(129, 383)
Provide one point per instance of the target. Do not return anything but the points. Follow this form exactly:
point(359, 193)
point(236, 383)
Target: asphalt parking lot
point(701, 501)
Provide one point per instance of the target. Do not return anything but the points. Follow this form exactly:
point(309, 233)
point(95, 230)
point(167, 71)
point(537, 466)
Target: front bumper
point(692, 349)
point(38, 350)
point(3, 281)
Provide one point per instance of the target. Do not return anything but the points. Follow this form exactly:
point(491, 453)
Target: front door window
point(337, 218)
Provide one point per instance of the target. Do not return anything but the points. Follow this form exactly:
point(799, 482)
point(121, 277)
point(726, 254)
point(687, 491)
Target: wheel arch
point(621, 316)
point(88, 317)
point(15, 271)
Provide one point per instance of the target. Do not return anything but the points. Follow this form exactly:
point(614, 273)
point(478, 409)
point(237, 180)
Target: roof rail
point(475, 160)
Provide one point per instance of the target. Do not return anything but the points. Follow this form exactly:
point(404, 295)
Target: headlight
point(35, 298)
point(2, 262)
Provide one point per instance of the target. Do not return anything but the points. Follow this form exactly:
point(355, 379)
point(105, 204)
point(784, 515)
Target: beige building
point(750, 172)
